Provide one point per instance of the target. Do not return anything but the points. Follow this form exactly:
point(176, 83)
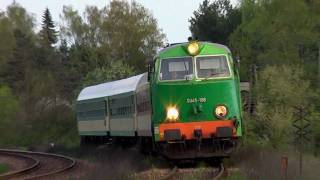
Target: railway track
point(175, 173)
point(214, 173)
point(220, 172)
point(38, 165)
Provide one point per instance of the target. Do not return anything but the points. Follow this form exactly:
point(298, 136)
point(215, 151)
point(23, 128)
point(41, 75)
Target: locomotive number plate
point(196, 100)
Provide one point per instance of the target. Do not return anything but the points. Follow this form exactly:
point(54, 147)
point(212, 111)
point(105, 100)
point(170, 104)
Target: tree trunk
point(319, 64)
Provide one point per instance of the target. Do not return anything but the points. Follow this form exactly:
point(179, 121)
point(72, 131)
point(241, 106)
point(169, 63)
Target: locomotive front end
point(195, 101)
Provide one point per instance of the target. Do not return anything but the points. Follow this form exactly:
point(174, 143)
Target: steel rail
point(221, 171)
point(170, 174)
point(173, 172)
point(56, 156)
point(11, 174)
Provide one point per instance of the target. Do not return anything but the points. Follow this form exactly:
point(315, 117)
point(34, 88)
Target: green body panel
point(219, 91)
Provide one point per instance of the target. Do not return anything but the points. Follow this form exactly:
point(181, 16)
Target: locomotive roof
point(174, 45)
point(113, 87)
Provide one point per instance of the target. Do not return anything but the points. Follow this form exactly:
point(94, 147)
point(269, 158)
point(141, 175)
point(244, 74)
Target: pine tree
point(48, 33)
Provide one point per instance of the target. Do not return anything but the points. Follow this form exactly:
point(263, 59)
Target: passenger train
point(187, 105)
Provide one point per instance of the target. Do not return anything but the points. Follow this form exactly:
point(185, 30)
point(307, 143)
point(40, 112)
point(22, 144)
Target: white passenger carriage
point(115, 109)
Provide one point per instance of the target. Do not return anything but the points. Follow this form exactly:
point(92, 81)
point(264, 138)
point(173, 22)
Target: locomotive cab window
point(176, 68)
point(212, 66)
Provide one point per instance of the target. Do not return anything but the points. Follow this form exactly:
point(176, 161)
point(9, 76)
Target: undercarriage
point(198, 148)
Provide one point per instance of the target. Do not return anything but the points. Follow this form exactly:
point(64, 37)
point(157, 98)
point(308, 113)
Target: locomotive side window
point(212, 66)
point(176, 68)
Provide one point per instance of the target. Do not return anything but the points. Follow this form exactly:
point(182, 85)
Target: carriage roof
point(113, 88)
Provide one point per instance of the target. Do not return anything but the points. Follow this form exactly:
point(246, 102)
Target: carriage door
point(106, 117)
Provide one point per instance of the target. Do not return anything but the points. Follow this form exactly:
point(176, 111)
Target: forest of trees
point(41, 72)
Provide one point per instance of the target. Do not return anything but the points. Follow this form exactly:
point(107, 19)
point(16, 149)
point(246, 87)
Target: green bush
point(9, 107)
point(280, 89)
point(117, 70)
point(3, 168)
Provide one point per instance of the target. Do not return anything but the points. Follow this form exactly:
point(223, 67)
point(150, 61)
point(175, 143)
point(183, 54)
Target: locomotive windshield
point(176, 68)
point(212, 66)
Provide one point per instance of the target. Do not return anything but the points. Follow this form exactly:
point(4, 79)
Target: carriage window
point(143, 102)
point(212, 66)
point(91, 110)
point(175, 68)
point(122, 106)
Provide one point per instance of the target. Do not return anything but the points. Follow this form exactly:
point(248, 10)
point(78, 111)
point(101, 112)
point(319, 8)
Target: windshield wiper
point(186, 70)
point(212, 74)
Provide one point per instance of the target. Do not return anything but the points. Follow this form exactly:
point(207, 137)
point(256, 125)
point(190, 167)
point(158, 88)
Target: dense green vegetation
point(215, 21)
point(42, 72)
point(281, 39)
point(4, 168)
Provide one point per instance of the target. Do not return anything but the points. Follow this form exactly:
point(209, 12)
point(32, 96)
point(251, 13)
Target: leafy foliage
point(8, 104)
point(9, 107)
point(215, 21)
point(276, 32)
point(117, 70)
point(276, 106)
point(40, 75)
point(7, 40)
point(4, 168)
point(120, 31)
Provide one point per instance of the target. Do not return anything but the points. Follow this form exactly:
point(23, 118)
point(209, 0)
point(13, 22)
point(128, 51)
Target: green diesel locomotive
point(188, 105)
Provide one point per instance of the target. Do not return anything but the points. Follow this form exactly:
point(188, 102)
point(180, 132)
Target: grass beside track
point(3, 168)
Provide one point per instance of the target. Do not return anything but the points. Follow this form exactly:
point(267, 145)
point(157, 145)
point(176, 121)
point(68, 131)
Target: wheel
point(86, 141)
point(145, 144)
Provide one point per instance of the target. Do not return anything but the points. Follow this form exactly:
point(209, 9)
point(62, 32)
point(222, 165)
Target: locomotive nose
point(195, 130)
point(175, 134)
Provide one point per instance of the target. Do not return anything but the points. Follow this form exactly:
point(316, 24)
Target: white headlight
point(172, 114)
point(193, 48)
point(221, 111)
